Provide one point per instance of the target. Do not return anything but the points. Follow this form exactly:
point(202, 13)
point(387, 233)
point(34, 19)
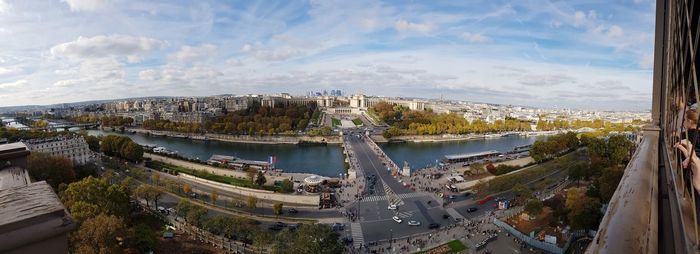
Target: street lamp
point(391, 239)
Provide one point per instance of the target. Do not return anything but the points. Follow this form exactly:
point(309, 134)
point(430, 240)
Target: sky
point(567, 54)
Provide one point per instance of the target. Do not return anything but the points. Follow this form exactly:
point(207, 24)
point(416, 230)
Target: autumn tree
point(149, 193)
point(277, 208)
point(91, 196)
point(186, 188)
point(52, 169)
point(477, 168)
point(533, 207)
point(287, 186)
point(214, 196)
point(250, 172)
point(99, 234)
point(252, 203)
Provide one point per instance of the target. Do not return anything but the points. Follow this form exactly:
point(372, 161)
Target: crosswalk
point(357, 236)
point(404, 215)
point(411, 195)
point(374, 198)
point(393, 198)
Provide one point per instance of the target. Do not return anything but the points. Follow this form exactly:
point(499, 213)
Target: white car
point(397, 219)
point(391, 207)
point(414, 223)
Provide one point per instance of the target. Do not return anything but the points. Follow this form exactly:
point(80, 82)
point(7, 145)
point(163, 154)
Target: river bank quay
point(241, 138)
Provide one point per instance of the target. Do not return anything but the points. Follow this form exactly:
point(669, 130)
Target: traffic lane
point(373, 162)
point(379, 229)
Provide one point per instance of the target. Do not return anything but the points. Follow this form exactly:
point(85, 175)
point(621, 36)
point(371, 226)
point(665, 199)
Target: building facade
point(73, 148)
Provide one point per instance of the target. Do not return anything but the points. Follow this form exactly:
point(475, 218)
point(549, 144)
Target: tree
point(250, 172)
point(93, 143)
point(578, 172)
point(52, 169)
point(195, 215)
point(214, 196)
point(99, 235)
point(156, 178)
point(533, 207)
point(260, 180)
point(186, 188)
point(132, 151)
point(287, 186)
point(92, 196)
point(477, 167)
point(584, 212)
point(619, 149)
point(252, 202)
point(315, 238)
point(85, 170)
point(149, 193)
point(277, 208)
point(607, 183)
point(144, 238)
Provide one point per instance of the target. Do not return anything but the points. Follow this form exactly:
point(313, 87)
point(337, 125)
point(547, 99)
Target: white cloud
point(105, 46)
point(475, 38)
point(615, 31)
point(579, 18)
point(405, 26)
point(234, 62)
point(15, 84)
point(6, 71)
point(4, 6)
point(190, 54)
point(272, 55)
point(646, 61)
point(149, 75)
point(68, 82)
point(86, 5)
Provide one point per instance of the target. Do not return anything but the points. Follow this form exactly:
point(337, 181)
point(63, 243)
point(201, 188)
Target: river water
point(420, 155)
point(320, 160)
point(324, 160)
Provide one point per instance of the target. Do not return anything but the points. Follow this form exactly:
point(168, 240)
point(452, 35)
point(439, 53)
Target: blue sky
point(579, 54)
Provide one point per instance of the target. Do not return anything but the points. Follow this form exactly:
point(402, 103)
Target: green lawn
point(456, 246)
point(335, 121)
point(160, 166)
point(357, 122)
point(506, 182)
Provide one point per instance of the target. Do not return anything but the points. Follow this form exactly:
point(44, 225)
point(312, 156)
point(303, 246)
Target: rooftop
point(469, 155)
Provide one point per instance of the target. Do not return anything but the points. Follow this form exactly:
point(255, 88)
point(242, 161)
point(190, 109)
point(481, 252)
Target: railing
point(654, 208)
point(630, 223)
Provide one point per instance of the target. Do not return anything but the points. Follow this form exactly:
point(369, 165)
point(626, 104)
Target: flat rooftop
point(469, 155)
point(30, 205)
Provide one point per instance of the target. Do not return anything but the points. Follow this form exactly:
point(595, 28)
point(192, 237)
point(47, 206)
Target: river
point(320, 160)
point(420, 155)
point(325, 160)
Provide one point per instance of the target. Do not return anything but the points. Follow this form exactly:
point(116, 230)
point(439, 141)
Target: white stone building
point(71, 147)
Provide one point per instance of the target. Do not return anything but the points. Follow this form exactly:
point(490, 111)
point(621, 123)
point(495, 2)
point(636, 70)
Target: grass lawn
point(357, 122)
point(454, 246)
point(335, 121)
point(157, 165)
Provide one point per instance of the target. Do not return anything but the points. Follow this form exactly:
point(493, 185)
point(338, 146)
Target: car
point(392, 207)
point(292, 210)
point(338, 226)
point(397, 219)
point(467, 194)
point(445, 216)
point(433, 226)
point(414, 223)
point(472, 209)
point(452, 196)
point(281, 224)
point(274, 227)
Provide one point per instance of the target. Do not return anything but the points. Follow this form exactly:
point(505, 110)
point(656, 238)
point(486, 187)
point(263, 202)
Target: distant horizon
point(370, 95)
point(545, 54)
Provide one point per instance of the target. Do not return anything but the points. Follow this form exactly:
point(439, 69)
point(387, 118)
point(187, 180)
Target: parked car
point(434, 226)
point(281, 224)
point(392, 207)
point(472, 209)
point(292, 210)
point(414, 223)
point(397, 219)
point(338, 226)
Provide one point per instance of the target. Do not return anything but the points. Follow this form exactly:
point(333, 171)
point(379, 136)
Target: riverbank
point(241, 138)
point(452, 138)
